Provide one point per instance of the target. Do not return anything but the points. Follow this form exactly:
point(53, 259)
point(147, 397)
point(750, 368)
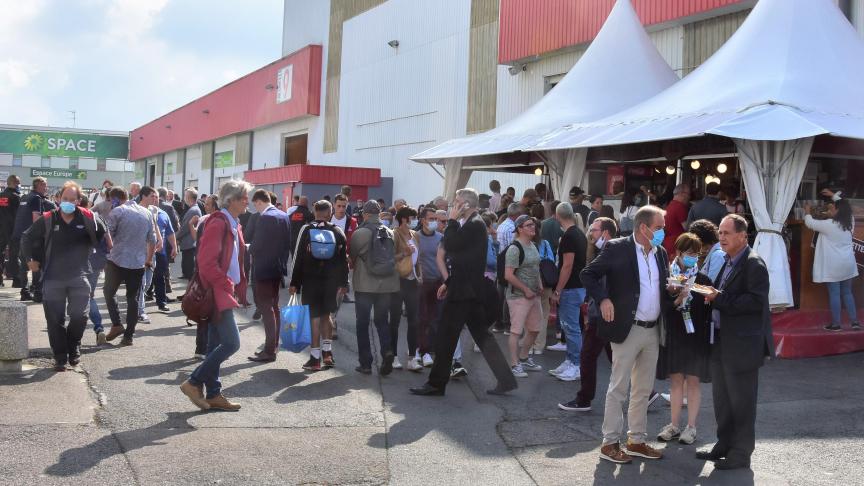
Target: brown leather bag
point(198, 304)
point(404, 265)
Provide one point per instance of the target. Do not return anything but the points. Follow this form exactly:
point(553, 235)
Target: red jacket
point(214, 270)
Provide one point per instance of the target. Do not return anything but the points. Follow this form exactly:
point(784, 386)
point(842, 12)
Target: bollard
point(13, 335)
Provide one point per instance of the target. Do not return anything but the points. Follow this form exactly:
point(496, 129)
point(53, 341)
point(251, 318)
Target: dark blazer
point(745, 320)
point(172, 214)
point(270, 255)
point(466, 248)
point(617, 263)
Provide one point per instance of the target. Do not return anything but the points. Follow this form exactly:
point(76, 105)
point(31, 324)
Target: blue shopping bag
point(295, 331)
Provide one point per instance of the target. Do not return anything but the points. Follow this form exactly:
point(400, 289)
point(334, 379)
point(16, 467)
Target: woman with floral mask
point(685, 350)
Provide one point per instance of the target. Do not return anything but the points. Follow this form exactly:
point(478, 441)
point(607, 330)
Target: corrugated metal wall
point(340, 11)
point(670, 44)
point(482, 65)
point(533, 27)
point(702, 39)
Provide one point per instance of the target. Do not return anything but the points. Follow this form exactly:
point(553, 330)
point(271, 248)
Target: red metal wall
point(315, 174)
point(532, 27)
point(240, 106)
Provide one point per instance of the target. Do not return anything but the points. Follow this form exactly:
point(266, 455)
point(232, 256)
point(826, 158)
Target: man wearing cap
point(467, 293)
point(577, 195)
point(374, 285)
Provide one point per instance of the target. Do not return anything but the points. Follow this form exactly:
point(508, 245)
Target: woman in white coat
point(834, 260)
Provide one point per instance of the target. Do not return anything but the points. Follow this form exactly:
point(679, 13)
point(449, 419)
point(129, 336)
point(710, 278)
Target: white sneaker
point(144, 318)
point(396, 364)
point(518, 371)
point(101, 339)
point(688, 436)
point(572, 373)
point(669, 432)
point(530, 365)
point(563, 366)
point(199, 356)
point(414, 364)
point(668, 398)
point(559, 346)
point(427, 360)
point(537, 351)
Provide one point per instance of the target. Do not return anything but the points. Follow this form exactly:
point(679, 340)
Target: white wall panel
point(117, 165)
point(61, 162)
point(89, 163)
point(670, 44)
point(31, 161)
point(194, 177)
point(5, 159)
point(396, 102)
point(267, 142)
point(304, 22)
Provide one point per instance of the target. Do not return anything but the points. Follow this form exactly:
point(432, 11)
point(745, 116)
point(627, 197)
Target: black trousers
point(13, 266)
point(735, 396)
point(187, 265)
point(409, 296)
point(131, 278)
point(471, 313)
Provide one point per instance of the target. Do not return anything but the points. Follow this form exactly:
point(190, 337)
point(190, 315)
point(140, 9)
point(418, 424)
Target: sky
point(122, 63)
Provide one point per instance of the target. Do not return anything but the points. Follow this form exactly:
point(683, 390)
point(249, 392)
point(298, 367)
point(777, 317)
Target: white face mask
point(600, 242)
point(412, 223)
point(433, 225)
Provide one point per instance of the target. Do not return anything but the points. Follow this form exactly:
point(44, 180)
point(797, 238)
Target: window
point(295, 150)
point(73, 162)
point(46, 161)
point(16, 161)
point(550, 82)
point(100, 164)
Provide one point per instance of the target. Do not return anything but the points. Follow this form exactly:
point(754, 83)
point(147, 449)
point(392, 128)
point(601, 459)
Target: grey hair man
point(185, 238)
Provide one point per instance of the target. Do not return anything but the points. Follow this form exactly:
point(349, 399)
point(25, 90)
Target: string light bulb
point(538, 171)
point(695, 165)
point(670, 169)
point(721, 168)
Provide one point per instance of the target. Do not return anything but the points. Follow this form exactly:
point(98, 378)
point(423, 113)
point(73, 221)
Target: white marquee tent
point(620, 68)
point(792, 71)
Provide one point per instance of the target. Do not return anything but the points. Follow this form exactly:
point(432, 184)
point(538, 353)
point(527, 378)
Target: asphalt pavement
point(121, 419)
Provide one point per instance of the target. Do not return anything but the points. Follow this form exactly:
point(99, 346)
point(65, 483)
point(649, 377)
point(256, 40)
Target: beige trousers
point(545, 307)
point(634, 365)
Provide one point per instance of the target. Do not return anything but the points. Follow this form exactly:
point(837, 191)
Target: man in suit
point(184, 234)
point(632, 303)
point(741, 341)
point(270, 266)
point(467, 293)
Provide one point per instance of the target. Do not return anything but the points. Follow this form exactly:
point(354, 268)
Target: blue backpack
point(322, 242)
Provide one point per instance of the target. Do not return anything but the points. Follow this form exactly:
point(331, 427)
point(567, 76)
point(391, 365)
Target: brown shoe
point(613, 453)
point(642, 450)
point(195, 394)
point(327, 359)
point(219, 402)
point(114, 332)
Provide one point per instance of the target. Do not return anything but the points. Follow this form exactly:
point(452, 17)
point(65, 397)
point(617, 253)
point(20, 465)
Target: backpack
point(502, 258)
point(322, 242)
point(381, 259)
point(548, 269)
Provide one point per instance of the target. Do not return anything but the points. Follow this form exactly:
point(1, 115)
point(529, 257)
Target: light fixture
point(168, 126)
point(670, 169)
point(695, 165)
point(657, 171)
point(516, 69)
point(721, 168)
point(709, 179)
point(205, 111)
point(393, 43)
point(269, 87)
point(538, 171)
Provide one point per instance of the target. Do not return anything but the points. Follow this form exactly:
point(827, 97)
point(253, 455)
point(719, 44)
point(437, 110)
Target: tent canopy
point(620, 68)
point(793, 70)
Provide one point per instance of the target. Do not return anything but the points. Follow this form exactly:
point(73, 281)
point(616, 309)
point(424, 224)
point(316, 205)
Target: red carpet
point(799, 334)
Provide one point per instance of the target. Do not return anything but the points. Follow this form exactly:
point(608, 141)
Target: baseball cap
point(576, 191)
point(520, 221)
point(371, 207)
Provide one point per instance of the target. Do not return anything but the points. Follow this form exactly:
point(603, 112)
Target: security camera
point(393, 43)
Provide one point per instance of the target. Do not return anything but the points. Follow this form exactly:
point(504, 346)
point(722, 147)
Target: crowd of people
point(648, 286)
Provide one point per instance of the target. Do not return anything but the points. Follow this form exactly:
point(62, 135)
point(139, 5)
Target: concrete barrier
point(13, 335)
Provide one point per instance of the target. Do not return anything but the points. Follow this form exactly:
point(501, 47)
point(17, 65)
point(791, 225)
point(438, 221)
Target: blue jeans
point(145, 284)
point(97, 264)
point(364, 304)
point(836, 292)
point(223, 340)
point(569, 309)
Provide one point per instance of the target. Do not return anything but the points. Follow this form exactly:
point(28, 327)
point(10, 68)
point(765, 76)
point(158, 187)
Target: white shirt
point(834, 259)
point(495, 202)
point(339, 222)
point(505, 234)
point(648, 308)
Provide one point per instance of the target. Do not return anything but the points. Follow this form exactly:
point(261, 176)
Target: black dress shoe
point(364, 370)
point(59, 365)
point(262, 358)
point(387, 364)
point(709, 455)
point(427, 390)
point(500, 390)
point(74, 360)
point(727, 464)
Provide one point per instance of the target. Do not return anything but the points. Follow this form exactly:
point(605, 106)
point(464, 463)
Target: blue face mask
point(689, 261)
point(67, 207)
point(659, 235)
point(412, 223)
point(433, 225)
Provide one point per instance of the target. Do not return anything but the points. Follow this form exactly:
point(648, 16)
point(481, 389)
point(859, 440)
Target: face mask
point(600, 242)
point(495, 226)
point(433, 225)
point(412, 223)
point(689, 261)
point(388, 222)
point(67, 207)
point(659, 235)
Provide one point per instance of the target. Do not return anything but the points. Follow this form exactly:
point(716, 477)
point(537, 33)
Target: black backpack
point(381, 259)
point(502, 257)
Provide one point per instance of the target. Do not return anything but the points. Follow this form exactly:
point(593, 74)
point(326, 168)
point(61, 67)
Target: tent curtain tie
point(769, 231)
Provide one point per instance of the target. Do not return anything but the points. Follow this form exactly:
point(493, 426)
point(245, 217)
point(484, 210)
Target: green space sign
point(60, 173)
point(224, 159)
point(27, 142)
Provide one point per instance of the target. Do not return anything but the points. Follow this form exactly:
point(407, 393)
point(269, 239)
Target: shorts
point(321, 299)
point(525, 314)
